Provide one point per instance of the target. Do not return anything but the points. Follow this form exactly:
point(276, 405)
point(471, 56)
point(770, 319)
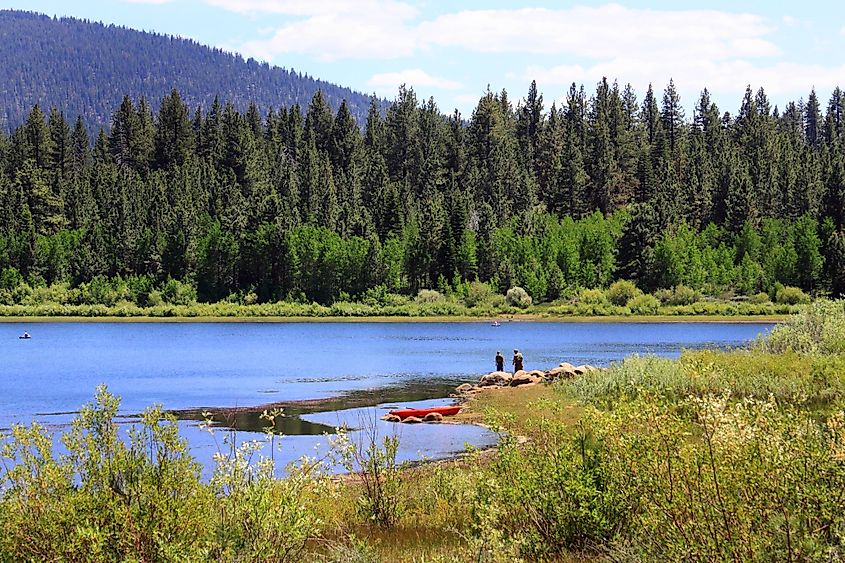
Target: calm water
point(207, 365)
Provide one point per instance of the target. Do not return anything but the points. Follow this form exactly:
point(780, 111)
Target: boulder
point(520, 373)
point(412, 420)
point(522, 378)
point(537, 373)
point(391, 418)
point(496, 378)
point(465, 387)
point(580, 370)
point(567, 366)
point(433, 417)
point(560, 372)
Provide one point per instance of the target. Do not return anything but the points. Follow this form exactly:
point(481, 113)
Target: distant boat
point(25, 336)
point(420, 413)
point(496, 323)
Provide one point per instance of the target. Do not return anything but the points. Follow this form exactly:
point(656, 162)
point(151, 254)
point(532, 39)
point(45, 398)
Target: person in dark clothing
point(517, 361)
point(500, 362)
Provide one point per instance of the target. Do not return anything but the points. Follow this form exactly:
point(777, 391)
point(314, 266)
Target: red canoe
point(420, 413)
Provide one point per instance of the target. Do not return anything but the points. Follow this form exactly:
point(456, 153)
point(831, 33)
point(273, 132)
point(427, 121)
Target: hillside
point(85, 68)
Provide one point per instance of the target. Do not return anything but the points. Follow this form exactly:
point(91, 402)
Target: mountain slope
point(86, 68)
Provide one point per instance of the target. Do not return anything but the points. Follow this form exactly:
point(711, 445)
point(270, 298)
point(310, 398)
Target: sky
point(455, 50)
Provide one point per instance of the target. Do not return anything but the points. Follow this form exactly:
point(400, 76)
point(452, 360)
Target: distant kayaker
point(500, 361)
point(517, 361)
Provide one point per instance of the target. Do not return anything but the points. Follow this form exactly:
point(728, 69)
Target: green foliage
point(429, 296)
point(518, 297)
point(790, 296)
point(373, 459)
point(622, 291)
point(818, 329)
point(759, 298)
point(591, 296)
point(644, 304)
point(678, 295)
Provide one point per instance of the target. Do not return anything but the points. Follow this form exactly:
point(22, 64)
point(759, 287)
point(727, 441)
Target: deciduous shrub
point(478, 293)
point(622, 291)
point(644, 304)
point(591, 296)
point(791, 296)
point(429, 296)
point(759, 298)
point(518, 297)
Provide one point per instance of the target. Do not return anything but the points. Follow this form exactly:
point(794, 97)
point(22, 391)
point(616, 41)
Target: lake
point(369, 366)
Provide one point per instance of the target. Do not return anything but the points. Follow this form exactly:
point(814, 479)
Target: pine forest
point(307, 204)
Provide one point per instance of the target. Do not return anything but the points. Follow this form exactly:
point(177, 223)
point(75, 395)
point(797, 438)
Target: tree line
point(305, 204)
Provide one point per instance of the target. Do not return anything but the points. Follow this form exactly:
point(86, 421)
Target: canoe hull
point(420, 413)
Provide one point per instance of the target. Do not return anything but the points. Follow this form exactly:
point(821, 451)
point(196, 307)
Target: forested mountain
point(85, 68)
point(303, 204)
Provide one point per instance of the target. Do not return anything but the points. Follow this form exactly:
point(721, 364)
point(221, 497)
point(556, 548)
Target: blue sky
point(453, 50)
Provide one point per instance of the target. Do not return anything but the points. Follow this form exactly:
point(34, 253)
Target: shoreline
point(526, 317)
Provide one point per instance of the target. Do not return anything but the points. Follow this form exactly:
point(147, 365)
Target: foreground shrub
point(550, 497)
point(705, 479)
point(373, 459)
point(622, 291)
point(518, 297)
point(819, 328)
point(134, 494)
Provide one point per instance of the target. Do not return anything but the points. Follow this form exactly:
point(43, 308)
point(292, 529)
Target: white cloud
point(385, 29)
point(602, 32)
point(332, 29)
point(414, 77)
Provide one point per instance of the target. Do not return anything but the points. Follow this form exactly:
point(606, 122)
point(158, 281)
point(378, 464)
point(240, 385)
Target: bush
point(759, 298)
point(787, 295)
point(429, 296)
point(518, 297)
point(176, 292)
point(591, 296)
point(819, 328)
point(681, 295)
point(644, 304)
point(478, 293)
point(622, 291)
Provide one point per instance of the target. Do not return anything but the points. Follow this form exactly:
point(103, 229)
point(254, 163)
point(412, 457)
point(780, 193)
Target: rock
point(465, 387)
point(520, 373)
point(412, 420)
point(537, 373)
point(580, 370)
point(433, 417)
point(560, 372)
point(496, 378)
point(391, 418)
point(522, 378)
point(567, 366)
point(588, 367)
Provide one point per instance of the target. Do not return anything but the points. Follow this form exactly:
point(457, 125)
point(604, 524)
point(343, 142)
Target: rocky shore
point(502, 380)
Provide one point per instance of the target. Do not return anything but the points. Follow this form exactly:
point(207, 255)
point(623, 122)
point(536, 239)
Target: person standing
point(517, 361)
point(500, 361)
